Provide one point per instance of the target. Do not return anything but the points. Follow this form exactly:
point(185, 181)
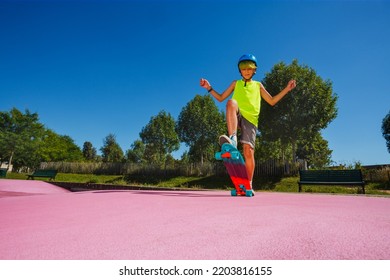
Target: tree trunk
point(10, 161)
point(294, 150)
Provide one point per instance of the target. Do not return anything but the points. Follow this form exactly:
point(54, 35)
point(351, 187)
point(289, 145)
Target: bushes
point(377, 174)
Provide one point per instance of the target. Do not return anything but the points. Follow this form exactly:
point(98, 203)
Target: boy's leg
point(232, 123)
point(248, 140)
point(249, 155)
point(231, 116)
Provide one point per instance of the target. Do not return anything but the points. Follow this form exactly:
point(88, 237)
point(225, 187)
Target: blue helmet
point(248, 57)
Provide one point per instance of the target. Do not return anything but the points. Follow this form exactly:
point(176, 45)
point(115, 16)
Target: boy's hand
point(204, 83)
point(291, 84)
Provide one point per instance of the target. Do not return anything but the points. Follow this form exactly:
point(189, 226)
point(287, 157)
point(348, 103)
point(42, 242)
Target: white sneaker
point(231, 140)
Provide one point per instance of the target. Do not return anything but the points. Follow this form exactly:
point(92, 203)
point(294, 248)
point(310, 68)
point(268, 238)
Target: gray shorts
point(248, 131)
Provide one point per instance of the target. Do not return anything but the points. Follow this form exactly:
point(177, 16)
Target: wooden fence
point(269, 168)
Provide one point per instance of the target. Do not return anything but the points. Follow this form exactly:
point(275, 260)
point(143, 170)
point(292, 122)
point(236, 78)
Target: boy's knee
point(232, 105)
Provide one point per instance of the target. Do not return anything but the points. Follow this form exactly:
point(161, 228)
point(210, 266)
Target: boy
point(243, 109)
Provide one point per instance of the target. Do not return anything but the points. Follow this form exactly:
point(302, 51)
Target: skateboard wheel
point(218, 156)
point(233, 192)
point(249, 193)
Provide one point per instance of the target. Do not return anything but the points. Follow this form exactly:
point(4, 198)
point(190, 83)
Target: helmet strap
point(247, 80)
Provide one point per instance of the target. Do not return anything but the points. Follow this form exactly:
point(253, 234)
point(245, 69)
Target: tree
point(20, 136)
point(25, 142)
point(111, 151)
point(386, 130)
point(89, 151)
point(303, 113)
point(199, 125)
point(136, 152)
point(315, 151)
point(160, 138)
point(55, 147)
point(268, 150)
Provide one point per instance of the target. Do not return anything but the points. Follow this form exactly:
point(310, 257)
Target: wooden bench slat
point(49, 173)
point(331, 177)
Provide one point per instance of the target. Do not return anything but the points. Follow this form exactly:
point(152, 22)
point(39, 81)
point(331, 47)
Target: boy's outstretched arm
point(272, 100)
point(220, 97)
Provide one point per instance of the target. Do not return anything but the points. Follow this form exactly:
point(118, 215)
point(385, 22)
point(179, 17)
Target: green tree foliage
point(199, 125)
point(315, 151)
point(267, 150)
point(54, 147)
point(25, 142)
point(136, 152)
point(89, 151)
point(20, 135)
point(160, 138)
point(303, 113)
point(111, 151)
point(386, 130)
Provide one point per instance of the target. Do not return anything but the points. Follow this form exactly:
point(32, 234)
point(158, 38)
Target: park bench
point(3, 172)
point(49, 173)
point(331, 177)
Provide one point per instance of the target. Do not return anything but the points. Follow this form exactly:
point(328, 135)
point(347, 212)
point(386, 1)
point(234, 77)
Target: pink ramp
point(163, 225)
point(22, 187)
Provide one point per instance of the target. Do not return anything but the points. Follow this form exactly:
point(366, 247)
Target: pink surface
point(41, 221)
point(22, 187)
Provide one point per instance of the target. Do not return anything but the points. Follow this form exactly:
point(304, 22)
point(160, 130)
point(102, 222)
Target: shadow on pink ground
point(42, 221)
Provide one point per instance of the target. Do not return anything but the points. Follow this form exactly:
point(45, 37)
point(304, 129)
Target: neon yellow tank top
point(248, 98)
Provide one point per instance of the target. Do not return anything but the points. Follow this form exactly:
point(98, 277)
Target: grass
point(211, 182)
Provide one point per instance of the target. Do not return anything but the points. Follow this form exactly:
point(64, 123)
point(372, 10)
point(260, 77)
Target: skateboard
point(235, 165)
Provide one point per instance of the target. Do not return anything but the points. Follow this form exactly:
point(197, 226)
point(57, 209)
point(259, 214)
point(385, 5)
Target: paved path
point(41, 221)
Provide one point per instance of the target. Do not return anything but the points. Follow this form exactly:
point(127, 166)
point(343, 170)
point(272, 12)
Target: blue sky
point(91, 68)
